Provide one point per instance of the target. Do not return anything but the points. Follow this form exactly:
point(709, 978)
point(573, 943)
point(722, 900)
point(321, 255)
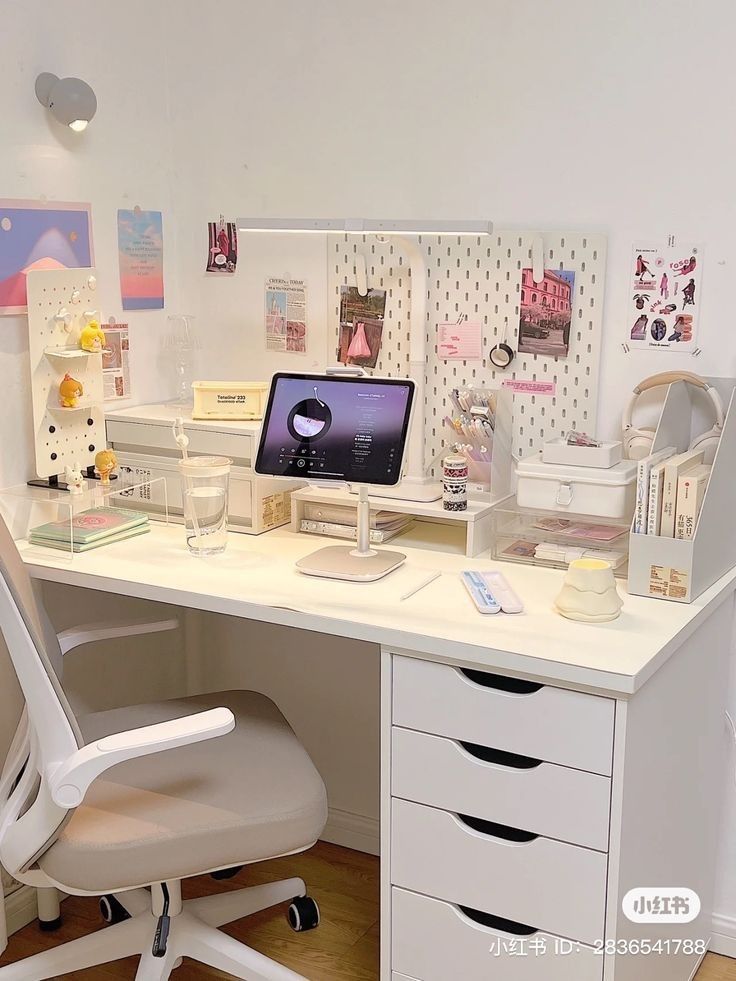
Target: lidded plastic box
point(609, 493)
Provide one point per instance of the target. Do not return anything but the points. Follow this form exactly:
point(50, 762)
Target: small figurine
point(92, 338)
point(70, 391)
point(105, 463)
point(73, 478)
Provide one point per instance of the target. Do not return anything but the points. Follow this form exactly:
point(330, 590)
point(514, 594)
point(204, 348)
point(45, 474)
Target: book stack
point(340, 521)
point(91, 529)
point(669, 493)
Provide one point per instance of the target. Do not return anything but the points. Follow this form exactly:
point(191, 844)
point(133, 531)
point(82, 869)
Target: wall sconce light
point(69, 100)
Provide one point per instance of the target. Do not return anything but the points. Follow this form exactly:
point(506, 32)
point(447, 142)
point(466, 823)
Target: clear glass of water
point(204, 492)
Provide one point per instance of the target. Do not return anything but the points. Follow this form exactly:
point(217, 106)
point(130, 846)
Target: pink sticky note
point(523, 387)
point(463, 341)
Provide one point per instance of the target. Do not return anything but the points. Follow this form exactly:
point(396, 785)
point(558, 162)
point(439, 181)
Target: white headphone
point(638, 442)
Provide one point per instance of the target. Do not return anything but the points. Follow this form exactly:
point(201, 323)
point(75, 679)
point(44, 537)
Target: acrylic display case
point(26, 510)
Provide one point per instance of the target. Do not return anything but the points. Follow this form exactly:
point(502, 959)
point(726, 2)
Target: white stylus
point(427, 581)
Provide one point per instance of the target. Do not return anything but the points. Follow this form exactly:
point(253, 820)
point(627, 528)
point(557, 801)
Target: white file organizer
point(668, 568)
point(64, 436)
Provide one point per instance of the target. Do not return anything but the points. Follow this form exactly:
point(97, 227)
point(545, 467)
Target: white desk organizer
point(669, 568)
point(60, 304)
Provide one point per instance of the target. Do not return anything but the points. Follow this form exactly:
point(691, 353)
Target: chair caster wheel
point(226, 873)
point(48, 926)
point(303, 914)
point(112, 911)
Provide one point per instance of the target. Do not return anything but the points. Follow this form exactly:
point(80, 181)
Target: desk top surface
point(255, 578)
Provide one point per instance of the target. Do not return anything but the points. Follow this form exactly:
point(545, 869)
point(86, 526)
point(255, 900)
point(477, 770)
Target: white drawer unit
point(551, 724)
point(546, 884)
point(144, 445)
point(543, 798)
point(437, 941)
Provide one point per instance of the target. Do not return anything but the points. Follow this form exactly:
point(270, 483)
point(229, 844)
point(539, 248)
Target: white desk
point(626, 719)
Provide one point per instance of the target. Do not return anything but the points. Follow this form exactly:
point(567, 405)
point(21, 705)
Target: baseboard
point(723, 938)
point(20, 908)
point(353, 831)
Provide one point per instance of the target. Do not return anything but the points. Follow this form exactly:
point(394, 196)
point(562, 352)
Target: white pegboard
point(481, 277)
point(63, 436)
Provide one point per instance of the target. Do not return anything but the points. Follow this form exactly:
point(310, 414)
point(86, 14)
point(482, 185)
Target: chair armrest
point(69, 781)
point(88, 632)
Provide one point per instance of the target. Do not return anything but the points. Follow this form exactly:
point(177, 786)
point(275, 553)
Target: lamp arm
point(415, 469)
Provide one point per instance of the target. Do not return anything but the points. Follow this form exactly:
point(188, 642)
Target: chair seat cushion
point(250, 795)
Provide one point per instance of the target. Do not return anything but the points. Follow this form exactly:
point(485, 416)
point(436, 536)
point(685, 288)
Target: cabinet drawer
point(551, 724)
point(550, 800)
point(546, 884)
point(436, 941)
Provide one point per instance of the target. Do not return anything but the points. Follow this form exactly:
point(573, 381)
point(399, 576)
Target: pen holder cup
point(204, 491)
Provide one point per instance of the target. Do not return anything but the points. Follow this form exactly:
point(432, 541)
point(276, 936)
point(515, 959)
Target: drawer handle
point(512, 760)
point(497, 922)
point(497, 830)
point(517, 686)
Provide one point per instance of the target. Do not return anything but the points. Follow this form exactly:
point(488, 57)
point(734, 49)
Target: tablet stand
point(360, 564)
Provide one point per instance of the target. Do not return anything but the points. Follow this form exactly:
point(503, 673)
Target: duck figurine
point(70, 391)
point(105, 463)
point(92, 338)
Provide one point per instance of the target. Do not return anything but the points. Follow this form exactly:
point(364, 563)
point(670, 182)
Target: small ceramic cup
point(589, 592)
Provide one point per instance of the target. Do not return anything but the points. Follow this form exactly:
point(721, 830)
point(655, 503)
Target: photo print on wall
point(361, 326)
point(663, 297)
point(222, 252)
point(546, 312)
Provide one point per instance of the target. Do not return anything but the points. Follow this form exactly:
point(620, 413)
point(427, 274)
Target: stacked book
point(340, 521)
point(669, 493)
point(91, 529)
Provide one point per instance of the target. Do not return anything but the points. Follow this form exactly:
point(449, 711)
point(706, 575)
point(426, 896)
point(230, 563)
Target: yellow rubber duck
point(70, 391)
point(92, 338)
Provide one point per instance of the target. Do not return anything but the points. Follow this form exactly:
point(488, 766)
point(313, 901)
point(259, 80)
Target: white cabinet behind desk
point(144, 444)
point(518, 814)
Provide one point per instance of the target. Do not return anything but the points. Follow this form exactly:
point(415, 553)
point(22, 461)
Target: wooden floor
point(344, 948)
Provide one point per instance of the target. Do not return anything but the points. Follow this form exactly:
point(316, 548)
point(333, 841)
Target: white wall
point(122, 160)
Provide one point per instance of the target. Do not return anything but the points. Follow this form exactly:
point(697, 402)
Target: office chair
point(126, 803)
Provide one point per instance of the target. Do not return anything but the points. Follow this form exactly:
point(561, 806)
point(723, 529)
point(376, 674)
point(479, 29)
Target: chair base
point(194, 933)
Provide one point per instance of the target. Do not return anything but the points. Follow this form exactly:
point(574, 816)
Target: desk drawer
point(436, 941)
point(554, 801)
point(546, 884)
point(551, 724)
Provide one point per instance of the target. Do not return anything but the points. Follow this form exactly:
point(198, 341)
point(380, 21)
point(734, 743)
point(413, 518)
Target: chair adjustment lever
point(161, 936)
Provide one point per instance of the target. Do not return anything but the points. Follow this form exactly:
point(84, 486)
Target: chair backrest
point(29, 820)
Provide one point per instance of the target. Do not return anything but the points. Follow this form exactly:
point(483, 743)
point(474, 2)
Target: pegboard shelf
point(67, 352)
point(81, 406)
point(63, 436)
point(480, 276)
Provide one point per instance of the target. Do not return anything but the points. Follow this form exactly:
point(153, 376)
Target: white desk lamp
point(415, 485)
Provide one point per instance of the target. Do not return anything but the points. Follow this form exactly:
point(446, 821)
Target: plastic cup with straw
point(205, 487)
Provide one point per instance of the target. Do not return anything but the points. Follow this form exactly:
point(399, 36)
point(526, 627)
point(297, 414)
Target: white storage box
point(600, 457)
point(144, 444)
point(607, 493)
point(229, 400)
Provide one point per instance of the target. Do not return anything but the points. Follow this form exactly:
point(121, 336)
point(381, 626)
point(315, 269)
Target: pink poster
point(141, 249)
point(40, 235)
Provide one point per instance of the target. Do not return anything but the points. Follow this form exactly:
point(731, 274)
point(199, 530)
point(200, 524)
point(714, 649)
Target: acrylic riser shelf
point(24, 508)
point(669, 568)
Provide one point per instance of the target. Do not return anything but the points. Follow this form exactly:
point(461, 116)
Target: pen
point(426, 582)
